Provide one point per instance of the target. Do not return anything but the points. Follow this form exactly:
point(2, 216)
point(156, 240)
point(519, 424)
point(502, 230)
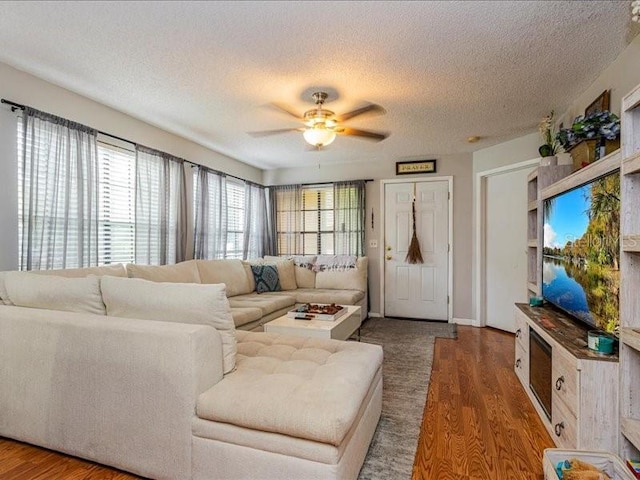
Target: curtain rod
point(17, 106)
point(325, 183)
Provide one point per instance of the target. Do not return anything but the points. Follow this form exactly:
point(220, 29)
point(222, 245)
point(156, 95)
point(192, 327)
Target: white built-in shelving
point(629, 393)
point(588, 416)
point(537, 181)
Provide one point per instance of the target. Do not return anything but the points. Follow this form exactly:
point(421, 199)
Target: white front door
point(417, 290)
point(505, 240)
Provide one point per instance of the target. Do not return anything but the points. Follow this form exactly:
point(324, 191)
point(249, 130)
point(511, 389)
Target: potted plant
point(591, 137)
point(549, 149)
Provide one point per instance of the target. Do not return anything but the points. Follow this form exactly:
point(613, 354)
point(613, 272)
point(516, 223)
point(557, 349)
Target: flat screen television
point(581, 252)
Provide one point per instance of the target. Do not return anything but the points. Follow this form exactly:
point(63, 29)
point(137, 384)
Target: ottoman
point(293, 408)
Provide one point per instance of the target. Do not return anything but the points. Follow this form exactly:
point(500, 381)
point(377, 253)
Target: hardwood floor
point(478, 422)
point(19, 461)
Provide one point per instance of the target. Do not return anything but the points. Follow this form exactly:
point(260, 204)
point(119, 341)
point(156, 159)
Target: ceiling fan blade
point(285, 109)
point(265, 133)
point(369, 135)
point(371, 109)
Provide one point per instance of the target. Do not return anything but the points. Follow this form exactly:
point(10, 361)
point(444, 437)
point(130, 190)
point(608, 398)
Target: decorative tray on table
point(317, 311)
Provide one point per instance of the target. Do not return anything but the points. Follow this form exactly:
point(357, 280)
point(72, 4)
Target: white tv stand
point(584, 384)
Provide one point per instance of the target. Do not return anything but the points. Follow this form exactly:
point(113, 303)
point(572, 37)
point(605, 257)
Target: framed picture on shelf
point(600, 104)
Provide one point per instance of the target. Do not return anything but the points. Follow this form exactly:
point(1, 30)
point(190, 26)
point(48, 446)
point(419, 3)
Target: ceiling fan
point(321, 125)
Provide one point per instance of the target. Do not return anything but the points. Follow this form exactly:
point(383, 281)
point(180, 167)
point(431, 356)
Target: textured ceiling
point(205, 70)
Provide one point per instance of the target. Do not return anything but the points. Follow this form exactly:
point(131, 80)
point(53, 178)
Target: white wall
point(458, 166)
point(621, 76)
point(26, 89)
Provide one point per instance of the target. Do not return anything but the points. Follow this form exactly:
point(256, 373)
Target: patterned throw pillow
point(266, 277)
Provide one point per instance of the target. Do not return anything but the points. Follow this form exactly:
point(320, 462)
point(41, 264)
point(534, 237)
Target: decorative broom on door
point(414, 255)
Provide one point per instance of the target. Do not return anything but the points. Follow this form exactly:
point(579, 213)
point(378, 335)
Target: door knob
point(388, 257)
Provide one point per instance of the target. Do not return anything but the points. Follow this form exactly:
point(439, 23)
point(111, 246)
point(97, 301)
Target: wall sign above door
point(415, 166)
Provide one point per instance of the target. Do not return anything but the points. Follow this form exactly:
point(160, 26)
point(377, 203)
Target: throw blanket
point(304, 261)
point(336, 263)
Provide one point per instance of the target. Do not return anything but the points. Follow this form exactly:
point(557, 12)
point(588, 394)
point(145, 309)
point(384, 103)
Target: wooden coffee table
point(340, 329)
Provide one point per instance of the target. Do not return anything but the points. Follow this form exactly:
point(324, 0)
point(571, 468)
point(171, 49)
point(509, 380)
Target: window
point(219, 215)
point(235, 220)
point(317, 220)
point(320, 219)
point(57, 193)
point(116, 204)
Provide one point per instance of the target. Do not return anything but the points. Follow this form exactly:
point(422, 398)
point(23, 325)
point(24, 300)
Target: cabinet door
point(521, 365)
point(564, 424)
point(565, 379)
point(522, 330)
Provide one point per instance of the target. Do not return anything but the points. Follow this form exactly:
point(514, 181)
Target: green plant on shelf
point(546, 129)
point(595, 126)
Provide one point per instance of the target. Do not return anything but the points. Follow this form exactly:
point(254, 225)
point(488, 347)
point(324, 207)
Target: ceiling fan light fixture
point(319, 137)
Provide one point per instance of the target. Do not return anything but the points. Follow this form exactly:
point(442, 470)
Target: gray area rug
point(406, 370)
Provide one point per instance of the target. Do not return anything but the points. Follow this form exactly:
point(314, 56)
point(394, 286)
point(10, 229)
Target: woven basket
point(586, 152)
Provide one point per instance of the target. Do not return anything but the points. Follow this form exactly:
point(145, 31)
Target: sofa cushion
point(247, 271)
point(302, 387)
point(302, 268)
point(4, 296)
point(350, 279)
point(115, 270)
point(183, 272)
point(266, 277)
point(242, 316)
point(326, 295)
point(231, 272)
point(55, 293)
point(266, 302)
point(286, 271)
point(173, 302)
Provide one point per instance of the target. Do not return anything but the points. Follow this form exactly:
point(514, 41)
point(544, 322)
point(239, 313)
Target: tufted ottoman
point(294, 408)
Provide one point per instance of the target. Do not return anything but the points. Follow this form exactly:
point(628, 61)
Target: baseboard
point(374, 315)
point(463, 321)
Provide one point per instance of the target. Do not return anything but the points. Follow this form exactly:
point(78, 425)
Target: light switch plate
point(373, 243)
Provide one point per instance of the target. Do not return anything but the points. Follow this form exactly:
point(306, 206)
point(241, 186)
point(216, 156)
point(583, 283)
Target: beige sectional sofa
point(251, 310)
point(153, 378)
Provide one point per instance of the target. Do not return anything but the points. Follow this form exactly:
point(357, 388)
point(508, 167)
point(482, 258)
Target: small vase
point(550, 161)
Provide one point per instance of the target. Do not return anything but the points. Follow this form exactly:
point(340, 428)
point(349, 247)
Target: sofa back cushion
point(183, 272)
point(286, 271)
point(305, 276)
point(231, 272)
point(4, 296)
point(348, 279)
point(55, 293)
point(174, 302)
point(115, 270)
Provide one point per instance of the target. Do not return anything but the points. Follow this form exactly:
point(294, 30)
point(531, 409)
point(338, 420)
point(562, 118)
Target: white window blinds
point(229, 216)
point(117, 227)
point(317, 220)
point(320, 219)
point(235, 219)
